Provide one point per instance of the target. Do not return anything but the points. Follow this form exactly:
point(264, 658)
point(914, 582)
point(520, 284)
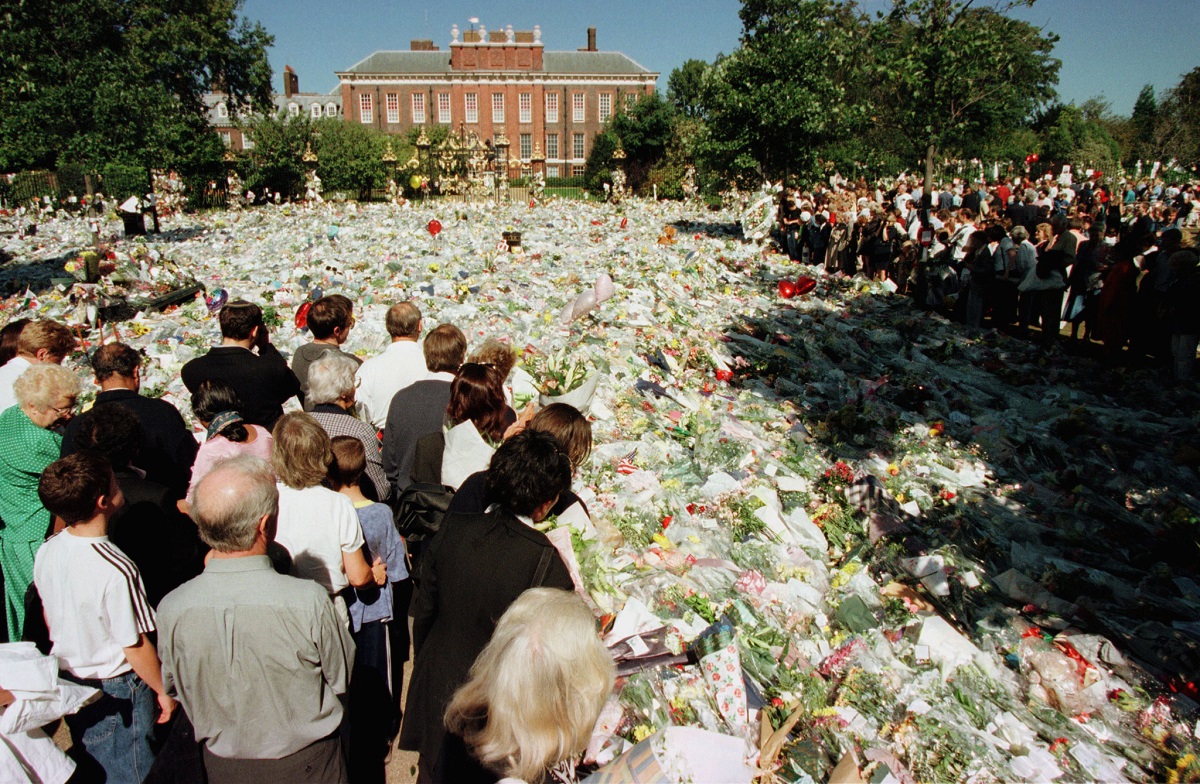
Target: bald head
point(231, 500)
point(404, 321)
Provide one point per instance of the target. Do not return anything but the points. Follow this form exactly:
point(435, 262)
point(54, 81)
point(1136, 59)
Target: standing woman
point(45, 400)
point(475, 567)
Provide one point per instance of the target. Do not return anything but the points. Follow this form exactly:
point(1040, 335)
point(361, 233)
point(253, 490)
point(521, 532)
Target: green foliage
point(121, 80)
point(350, 156)
point(1177, 131)
point(779, 99)
point(1069, 136)
point(685, 88)
point(1143, 123)
point(952, 74)
point(645, 131)
point(274, 162)
point(597, 170)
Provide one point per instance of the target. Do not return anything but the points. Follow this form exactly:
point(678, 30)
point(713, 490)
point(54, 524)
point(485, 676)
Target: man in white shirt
point(40, 343)
point(401, 364)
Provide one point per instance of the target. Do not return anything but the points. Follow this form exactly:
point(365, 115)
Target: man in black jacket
point(475, 567)
point(263, 381)
point(168, 448)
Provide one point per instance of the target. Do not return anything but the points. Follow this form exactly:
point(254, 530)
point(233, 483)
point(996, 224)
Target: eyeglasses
point(64, 409)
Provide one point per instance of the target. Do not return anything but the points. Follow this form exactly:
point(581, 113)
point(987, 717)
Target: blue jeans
point(111, 736)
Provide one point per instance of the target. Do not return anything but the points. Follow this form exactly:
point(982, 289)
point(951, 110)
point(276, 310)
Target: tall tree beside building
point(89, 81)
point(685, 88)
point(781, 97)
point(958, 74)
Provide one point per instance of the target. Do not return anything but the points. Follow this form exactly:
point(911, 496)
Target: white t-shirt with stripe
point(94, 601)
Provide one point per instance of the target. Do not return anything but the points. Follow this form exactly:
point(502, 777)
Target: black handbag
point(420, 510)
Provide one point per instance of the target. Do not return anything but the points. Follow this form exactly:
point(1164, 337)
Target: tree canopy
point(122, 80)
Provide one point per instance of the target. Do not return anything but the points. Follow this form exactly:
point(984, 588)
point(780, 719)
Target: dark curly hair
point(528, 470)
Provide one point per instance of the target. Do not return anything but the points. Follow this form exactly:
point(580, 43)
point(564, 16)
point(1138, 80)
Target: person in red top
point(1003, 194)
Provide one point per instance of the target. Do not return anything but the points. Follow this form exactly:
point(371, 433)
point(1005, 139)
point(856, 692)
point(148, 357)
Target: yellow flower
point(641, 732)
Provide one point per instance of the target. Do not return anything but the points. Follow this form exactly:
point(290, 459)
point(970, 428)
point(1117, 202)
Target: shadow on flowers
point(1067, 488)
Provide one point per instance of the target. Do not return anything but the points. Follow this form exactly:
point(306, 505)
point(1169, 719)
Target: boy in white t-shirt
point(99, 619)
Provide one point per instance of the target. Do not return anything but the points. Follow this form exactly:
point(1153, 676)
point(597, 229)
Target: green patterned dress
point(25, 451)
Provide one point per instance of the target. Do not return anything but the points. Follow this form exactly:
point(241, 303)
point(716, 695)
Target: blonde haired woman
point(45, 396)
point(533, 696)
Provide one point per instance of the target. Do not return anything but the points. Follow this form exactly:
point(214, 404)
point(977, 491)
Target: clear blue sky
point(1109, 48)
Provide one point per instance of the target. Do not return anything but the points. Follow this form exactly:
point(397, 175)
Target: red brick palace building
point(499, 82)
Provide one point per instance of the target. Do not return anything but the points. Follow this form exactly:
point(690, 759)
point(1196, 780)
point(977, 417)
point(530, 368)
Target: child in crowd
point(99, 619)
point(370, 610)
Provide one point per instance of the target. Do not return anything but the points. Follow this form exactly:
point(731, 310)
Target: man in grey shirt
point(258, 660)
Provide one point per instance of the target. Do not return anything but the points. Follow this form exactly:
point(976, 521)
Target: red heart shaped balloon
point(805, 284)
point(435, 227)
point(787, 289)
point(302, 315)
point(624, 222)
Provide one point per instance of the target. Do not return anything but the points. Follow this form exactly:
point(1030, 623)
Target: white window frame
point(525, 143)
point(551, 107)
point(391, 107)
point(552, 170)
point(578, 107)
point(293, 110)
point(222, 110)
point(418, 108)
point(630, 100)
point(314, 111)
point(247, 143)
point(366, 108)
point(525, 107)
point(471, 107)
point(578, 146)
point(444, 115)
point(604, 107)
point(331, 109)
point(552, 146)
point(497, 108)
point(227, 138)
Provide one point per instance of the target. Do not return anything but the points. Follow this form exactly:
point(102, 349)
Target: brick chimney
point(422, 45)
point(591, 47)
point(291, 82)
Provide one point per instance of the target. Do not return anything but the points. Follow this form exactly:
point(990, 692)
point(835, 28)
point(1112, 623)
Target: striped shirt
point(95, 603)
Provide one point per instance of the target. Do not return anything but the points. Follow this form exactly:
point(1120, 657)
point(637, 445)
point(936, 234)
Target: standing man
point(263, 381)
point(329, 319)
point(259, 660)
point(168, 448)
point(401, 364)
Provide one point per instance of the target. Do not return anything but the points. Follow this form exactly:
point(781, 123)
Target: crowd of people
point(240, 596)
point(1117, 266)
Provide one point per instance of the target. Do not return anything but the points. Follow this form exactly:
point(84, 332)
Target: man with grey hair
point(258, 660)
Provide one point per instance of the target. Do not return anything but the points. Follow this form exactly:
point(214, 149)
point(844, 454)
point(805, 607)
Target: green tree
point(121, 80)
point(1177, 133)
point(644, 131)
point(1070, 135)
point(597, 169)
point(780, 98)
point(1143, 123)
point(685, 88)
point(955, 74)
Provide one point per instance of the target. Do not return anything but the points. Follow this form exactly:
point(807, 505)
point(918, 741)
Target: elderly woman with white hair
point(331, 390)
point(28, 443)
point(533, 696)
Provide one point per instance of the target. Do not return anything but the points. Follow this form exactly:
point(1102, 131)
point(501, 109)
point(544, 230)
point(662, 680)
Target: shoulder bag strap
point(540, 575)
